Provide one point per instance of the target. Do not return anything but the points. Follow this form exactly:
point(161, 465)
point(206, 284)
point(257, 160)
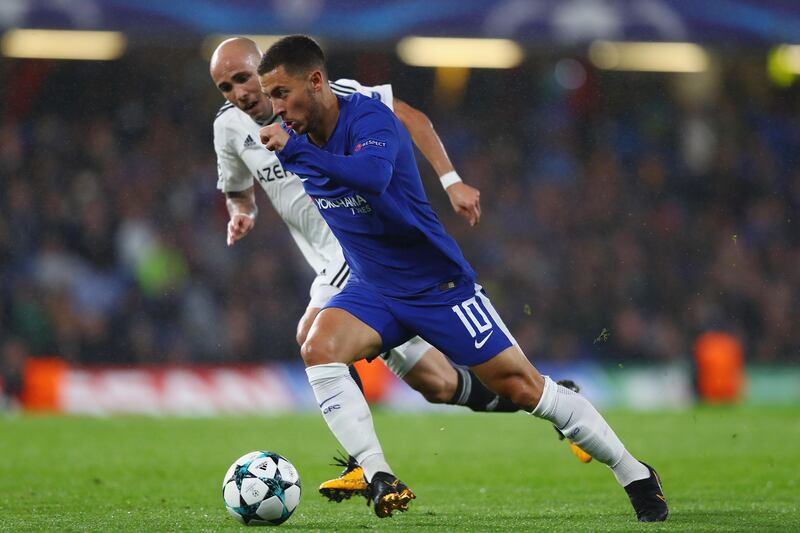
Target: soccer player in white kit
point(241, 158)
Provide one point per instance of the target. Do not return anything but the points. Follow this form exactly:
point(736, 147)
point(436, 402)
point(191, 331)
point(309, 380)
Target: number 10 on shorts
point(472, 316)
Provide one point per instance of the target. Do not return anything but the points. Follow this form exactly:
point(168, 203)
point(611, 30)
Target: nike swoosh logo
point(331, 398)
point(479, 345)
point(567, 422)
point(660, 497)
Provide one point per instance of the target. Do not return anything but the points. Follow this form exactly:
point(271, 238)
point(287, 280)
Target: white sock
point(580, 422)
point(628, 469)
point(348, 416)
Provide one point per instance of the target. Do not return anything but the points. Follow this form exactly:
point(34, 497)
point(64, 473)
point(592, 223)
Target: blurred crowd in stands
point(620, 219)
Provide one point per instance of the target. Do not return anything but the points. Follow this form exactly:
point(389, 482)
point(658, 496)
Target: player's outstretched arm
point(242, 210)
point(362, 171)
point(464, 199)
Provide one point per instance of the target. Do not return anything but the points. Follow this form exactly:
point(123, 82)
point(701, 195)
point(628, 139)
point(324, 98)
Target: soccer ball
point(261, 489)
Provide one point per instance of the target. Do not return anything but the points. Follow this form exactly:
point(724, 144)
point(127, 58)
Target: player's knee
point(317, 351)
point(521, 390)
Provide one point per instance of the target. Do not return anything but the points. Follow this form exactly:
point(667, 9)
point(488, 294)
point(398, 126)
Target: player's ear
point(317, 79)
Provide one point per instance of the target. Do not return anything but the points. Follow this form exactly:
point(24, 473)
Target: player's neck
point(327, 120)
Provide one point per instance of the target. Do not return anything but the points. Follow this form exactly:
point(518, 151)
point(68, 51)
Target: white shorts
point(402, 359)
point(329, 283)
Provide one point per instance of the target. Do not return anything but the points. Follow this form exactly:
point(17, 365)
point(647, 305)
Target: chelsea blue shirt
point(366, 185)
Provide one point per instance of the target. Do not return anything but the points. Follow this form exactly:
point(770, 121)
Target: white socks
point(348, 416)
point(580, 422)
point(628, 469)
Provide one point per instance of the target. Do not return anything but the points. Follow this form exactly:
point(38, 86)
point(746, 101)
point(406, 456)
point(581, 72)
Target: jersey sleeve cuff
point(289, 149)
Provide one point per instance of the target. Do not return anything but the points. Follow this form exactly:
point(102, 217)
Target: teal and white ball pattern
point(261, 488)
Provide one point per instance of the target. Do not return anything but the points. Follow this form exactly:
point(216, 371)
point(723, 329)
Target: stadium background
point(626, 213)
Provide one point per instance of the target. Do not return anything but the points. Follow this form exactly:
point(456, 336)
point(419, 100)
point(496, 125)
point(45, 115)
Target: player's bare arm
point(464, 199)
point(242, 210)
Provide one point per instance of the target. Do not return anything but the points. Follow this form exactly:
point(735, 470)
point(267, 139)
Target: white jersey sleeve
point(344, 87)
point(232, 173)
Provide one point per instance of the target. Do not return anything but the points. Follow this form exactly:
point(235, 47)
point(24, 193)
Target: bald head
point(235, 50)
point(233, 68)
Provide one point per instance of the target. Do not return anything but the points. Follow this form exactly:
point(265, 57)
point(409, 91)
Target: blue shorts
point(460, 321)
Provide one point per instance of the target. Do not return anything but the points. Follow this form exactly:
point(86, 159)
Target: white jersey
point(241, 158)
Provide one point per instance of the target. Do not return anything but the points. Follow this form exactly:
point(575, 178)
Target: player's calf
point(471, 392)
point(430, 373)
point(434, 388)
point(347, 414)
point(576, 450)
point(579, 421)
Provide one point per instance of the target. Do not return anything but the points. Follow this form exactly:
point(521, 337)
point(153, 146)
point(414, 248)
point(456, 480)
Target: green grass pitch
point(724, 469)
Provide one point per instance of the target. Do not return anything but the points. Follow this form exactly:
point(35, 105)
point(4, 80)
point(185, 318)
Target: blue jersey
point(366, 185)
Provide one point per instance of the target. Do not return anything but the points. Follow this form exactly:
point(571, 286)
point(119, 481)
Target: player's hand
point(466, 201)
point(238, 226)
point(274, 137)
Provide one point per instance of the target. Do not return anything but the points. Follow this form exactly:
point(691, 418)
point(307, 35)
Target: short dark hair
point(297, 54)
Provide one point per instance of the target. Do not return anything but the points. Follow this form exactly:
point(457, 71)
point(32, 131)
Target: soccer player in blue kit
point(408, 278)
